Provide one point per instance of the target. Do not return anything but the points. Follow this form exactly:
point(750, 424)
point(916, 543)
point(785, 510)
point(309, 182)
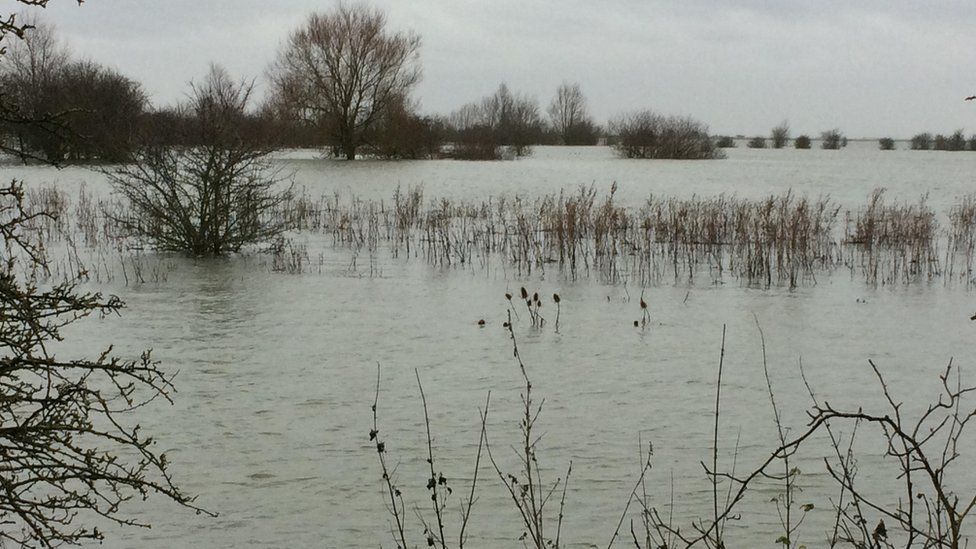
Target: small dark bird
point(508, 296)
point(555, 297)
point(972, 317)
point(643, 304)
point(971, 97)
point(636, 324)
point(481, 322)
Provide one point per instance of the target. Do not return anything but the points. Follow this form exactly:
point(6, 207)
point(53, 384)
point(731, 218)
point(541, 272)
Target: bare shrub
point(210, 198)
point(725, 142)
point(645, 134)
point(780, 135)
point(832, 140)
point(921, 142)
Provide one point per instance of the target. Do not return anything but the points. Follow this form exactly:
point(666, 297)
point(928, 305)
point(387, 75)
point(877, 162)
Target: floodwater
point(277, 371)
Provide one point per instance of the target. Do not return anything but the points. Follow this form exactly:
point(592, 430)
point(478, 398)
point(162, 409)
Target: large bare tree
point(570, 117)
point(343, 69)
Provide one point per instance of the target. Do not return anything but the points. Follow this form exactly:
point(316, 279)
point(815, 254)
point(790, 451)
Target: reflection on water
point(270, 425)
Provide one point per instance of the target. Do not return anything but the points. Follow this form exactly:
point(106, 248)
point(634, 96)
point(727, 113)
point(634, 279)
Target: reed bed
point(784, 240)
point(897, 242)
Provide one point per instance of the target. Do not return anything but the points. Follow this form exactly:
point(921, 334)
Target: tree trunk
point(350, 151)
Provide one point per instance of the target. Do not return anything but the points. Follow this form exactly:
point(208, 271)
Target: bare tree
point(403, 134)
point(38, 56)
point(503, 119)
point(519, 121)
point(30, 65)
point(212, 197)
point(343, 69)
point(92, 112)
point(570, 117)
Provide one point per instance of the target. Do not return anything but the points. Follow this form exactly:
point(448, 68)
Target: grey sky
point(871, 68)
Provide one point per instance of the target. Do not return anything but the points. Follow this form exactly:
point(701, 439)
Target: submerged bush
point(886, 144)
point(725, 142)
point(802, 142)
point(954, 142)
point(757, 143)
point(210, 198)
point(957, 141)
point(922, 142)
point(646, 134)
point(500, 124)
point(780, 135)
point(832, 140)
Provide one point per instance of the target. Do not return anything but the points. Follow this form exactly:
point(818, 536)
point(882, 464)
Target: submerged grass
point(785, 239)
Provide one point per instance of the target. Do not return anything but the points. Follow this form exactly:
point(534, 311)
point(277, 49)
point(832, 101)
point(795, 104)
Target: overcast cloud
point(871, 68)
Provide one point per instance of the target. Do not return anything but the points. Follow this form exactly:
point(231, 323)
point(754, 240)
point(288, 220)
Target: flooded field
point(277, 352)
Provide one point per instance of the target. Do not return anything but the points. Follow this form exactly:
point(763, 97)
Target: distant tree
point(97, 109)
point(886, 144)
point(941, 143)
point(210, 198)
point(342, 70)
point(103, 109)
point(725, 142)
point(645, 134)
point(780, 135)
point(757, 142)
point(972, 142)
point(570, 118)
point(832, 140)
point(515, 117)
point(802, 142)
point(403, 134)
point(503, 119)
point(471, 134)
point(31, 126)
point(921, 142)
point(957, 141)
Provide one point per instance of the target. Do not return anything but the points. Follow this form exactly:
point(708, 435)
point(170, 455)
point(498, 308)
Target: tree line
point(834, 139)
point(343, 82)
